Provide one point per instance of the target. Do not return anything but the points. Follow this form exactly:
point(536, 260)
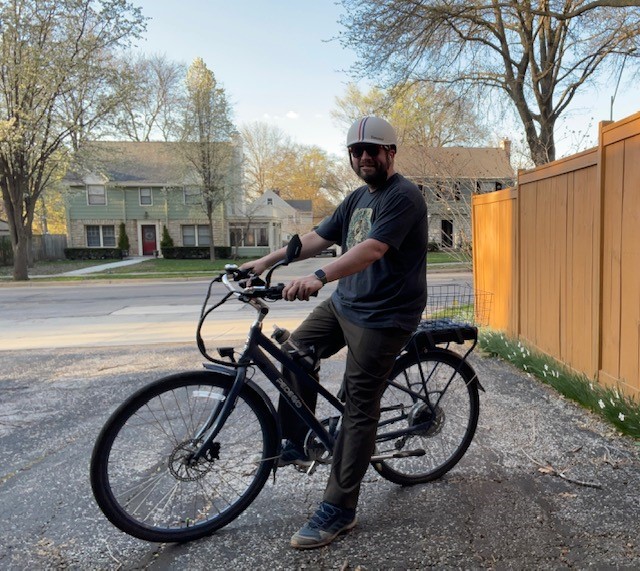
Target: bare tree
point(153, 110)
point(48, 49)
point(537, 54)
point(298, 172)
point(210, 141)
point(265, 148)
point(340, 179)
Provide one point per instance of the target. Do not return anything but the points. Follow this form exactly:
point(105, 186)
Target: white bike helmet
point(372, 130)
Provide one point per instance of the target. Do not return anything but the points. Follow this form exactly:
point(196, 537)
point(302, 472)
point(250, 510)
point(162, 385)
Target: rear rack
point(445, 330)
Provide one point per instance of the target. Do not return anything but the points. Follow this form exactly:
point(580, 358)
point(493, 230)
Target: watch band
point(321, 276)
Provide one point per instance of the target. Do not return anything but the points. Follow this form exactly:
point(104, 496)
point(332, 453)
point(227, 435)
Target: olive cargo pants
point(370, 358)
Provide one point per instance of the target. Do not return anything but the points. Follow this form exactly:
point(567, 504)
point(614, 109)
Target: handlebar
point(252, 286)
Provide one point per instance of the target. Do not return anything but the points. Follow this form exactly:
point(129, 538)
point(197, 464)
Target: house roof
point(302, 205)
point(133, 163)
point(454, 162)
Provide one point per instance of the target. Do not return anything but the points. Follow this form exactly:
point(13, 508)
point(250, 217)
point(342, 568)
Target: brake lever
point(250, 281)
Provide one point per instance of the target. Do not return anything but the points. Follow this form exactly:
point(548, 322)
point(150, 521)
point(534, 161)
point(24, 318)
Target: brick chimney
point(505, 145)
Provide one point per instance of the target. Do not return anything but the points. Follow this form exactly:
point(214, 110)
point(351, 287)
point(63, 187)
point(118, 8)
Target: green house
point(146, 185)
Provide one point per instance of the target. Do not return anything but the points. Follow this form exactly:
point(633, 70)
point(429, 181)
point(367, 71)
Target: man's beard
point(378, 177)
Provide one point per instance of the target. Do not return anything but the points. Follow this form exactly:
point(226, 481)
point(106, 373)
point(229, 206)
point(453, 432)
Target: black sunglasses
point(371, 148)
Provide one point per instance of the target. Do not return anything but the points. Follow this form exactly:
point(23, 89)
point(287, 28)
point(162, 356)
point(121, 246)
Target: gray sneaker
point(325, 525)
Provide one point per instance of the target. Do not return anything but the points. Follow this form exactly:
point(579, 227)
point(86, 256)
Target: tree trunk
point(212, 251)
point(20, 257)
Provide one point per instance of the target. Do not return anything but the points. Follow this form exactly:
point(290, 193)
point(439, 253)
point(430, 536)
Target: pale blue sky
point(278, 64)
point(273, 57)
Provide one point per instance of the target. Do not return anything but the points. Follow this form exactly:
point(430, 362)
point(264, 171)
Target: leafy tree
point(49, 51)
point(422, 114)
point(298, 172)
point(537, 54)
point(210, 139)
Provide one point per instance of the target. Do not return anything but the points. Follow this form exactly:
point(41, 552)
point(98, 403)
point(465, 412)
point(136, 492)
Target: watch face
point(321, 276)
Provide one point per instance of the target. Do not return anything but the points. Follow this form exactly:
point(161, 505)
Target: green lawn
point(180, 267)
point(56, 267)
point(160, 266)
point(445, 258)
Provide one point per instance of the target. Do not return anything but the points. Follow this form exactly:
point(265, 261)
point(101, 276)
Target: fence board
point(629, 260)
point(613, 157)
point(494, 239)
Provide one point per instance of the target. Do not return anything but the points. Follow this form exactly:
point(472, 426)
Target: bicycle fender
point(229, 371)
point(465, 366)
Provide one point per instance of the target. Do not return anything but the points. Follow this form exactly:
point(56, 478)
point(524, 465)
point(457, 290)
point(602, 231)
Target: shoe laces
point(324, 515)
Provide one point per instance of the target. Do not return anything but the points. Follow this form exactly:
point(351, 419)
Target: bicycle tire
point(444, 431)
point(138, 475)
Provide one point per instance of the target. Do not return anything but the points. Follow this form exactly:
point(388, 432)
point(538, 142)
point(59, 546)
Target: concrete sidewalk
point(102, 267)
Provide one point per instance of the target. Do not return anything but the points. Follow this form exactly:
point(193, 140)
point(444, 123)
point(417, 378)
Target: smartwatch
point(321, 276)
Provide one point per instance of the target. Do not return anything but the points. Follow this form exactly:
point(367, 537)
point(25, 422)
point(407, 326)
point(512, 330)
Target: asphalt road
point(502, 507)
point(43, 315)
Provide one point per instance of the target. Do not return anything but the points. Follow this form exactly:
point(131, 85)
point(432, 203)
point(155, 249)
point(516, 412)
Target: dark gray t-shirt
point(391, 292)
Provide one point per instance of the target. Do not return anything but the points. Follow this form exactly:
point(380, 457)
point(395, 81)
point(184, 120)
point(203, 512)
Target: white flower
point(617, 394)
point(612, 403)
point(525, 367)
point(600, 403)
point(621, 416)
point(546, 367)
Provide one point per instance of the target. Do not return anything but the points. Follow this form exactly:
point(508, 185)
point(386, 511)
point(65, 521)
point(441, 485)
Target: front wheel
point(429, 414)
point(141, 472)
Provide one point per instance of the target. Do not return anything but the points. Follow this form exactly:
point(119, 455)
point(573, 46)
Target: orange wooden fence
point(562, 257)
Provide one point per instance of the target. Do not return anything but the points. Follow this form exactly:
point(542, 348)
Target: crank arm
point(398, 454)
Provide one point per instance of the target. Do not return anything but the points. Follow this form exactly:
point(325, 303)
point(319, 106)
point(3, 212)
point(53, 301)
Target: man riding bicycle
point(381, 293)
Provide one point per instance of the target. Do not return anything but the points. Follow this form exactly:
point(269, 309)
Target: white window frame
point(253, 234)
point(196, 230)
point(189, 192)
point(102, 193)
point(150, 203)
point(101, 235)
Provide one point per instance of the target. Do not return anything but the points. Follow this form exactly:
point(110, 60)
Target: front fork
point(218, 416)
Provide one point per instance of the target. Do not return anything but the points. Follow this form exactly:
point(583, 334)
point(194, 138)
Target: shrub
point(433, 247)
point(93, 253)
point(123, 239)
point(195, 252)
point(167, 240)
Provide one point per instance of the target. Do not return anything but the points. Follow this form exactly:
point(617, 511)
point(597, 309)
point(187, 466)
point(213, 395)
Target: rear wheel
point(141, 473)
point(429, 414)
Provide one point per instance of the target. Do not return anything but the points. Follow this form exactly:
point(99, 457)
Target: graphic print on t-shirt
point(359, 226)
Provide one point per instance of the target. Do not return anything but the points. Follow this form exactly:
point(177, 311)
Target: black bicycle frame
point(254, 354)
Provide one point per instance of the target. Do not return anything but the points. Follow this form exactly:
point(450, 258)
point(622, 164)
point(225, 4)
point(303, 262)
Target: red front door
point(148, 240)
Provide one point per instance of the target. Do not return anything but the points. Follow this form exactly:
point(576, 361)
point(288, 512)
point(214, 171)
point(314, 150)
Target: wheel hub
point(422, 413)
point(182, 466)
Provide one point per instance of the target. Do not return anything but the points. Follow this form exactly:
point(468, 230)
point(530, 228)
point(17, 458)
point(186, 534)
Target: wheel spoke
point(439, 415)
point(142, 473)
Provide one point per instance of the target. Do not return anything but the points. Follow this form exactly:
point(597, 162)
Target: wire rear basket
point(458, 303)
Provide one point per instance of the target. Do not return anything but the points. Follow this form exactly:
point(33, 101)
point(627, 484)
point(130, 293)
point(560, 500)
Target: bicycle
point(187, 454)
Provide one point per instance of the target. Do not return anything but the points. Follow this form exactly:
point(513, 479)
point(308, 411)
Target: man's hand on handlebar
point(302, 288)
point(255, 267)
